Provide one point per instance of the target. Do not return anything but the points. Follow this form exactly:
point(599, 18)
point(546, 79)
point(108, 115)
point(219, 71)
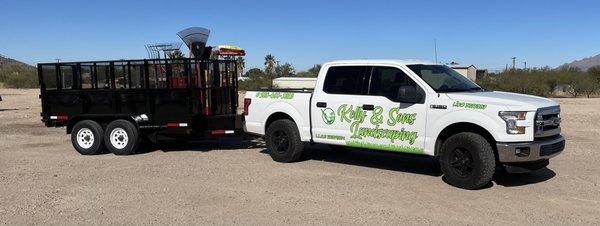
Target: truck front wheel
point(467, 160)
point(283, 141)
point(121, 137)
point(86, 137)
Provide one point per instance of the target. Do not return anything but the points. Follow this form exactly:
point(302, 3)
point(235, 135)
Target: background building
point(467, 71)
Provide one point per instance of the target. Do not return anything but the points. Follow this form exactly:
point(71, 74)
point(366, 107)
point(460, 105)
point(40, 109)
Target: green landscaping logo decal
point(377, 124)
point(328, 116)
point(469, 105)
point(356, 116)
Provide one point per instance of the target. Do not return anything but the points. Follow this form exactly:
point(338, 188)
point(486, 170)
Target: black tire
point(467, 161)
point(87, 138)
point(283, 141)
point(121, 137)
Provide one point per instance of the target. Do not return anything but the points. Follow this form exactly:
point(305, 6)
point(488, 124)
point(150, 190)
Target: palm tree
point(270, 64)
point(176, 54)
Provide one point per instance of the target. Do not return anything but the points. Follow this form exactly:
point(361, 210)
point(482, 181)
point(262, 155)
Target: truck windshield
point(444, 79)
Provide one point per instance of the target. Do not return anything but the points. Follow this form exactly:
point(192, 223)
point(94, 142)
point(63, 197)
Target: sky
point(486, 34)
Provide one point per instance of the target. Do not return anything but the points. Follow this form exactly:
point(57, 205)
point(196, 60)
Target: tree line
point(257, 78)
point(18, 76)
point(547, 82)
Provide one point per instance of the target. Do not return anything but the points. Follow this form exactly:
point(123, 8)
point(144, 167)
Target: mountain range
point(16, 74)
point(6, 62)
point(584, 63)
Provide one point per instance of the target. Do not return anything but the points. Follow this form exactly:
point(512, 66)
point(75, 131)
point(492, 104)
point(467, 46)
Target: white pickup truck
point(412, 107)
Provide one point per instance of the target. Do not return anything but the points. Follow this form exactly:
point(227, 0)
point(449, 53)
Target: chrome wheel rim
point(85, 138)
point(119, 138)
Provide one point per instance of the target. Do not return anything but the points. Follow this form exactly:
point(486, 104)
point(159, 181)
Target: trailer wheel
point(121, 137)
point(467, 161)
point(86, 138)
point(283, 141)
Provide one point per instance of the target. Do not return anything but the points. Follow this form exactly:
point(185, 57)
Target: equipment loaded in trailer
point(115, 104)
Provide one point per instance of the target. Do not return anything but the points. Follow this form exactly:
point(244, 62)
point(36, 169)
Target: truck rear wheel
point(86, 137)
point(467, 161)
point(121, 137)
point(283, 141)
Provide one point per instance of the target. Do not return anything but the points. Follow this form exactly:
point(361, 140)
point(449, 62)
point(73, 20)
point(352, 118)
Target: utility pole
point(435, 49)
point(525, 64)
point(513, 63)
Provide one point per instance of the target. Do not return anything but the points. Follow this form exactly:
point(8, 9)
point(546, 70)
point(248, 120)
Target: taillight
point(247, 102)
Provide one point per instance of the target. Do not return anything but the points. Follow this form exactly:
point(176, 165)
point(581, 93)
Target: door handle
point(368, 107)
point(321, 104)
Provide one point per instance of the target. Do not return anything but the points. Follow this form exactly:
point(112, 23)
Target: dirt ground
point(44, 181)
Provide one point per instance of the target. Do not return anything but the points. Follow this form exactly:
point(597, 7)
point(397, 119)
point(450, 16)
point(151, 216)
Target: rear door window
point(347, 80)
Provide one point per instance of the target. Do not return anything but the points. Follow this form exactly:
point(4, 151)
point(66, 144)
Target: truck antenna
point(435, 49)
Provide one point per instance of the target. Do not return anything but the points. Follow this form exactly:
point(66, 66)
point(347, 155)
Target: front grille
point(550, 149)
point(547, 121)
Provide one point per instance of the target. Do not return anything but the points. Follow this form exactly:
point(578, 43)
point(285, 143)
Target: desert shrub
point(16, 76)
point(543, 81)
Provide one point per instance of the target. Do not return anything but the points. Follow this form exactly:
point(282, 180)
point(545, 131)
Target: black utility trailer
point(114, 104)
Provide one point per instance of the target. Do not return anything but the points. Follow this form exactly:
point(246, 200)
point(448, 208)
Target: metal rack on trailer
point(157, 99)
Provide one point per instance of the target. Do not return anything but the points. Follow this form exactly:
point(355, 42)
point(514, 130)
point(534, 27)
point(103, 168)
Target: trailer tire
point(283, 141)
point(87, 137)
point(121, 137)
point(467, 161)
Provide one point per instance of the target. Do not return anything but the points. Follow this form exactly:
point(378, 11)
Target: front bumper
point(516, 152)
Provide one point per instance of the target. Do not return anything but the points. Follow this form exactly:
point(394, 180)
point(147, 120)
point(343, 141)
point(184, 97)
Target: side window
point(386, 81)
point(49, 76)
point(345, 80)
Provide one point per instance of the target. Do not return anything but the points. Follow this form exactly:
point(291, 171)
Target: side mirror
point(410, 94)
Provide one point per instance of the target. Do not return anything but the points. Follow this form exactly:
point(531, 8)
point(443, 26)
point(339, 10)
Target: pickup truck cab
point(412, 107)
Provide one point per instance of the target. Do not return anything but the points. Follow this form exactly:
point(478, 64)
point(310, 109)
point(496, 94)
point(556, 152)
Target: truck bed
point(268, 102)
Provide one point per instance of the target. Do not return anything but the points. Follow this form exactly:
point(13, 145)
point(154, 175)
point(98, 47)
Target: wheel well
point(276, 116)
point(102, 120)
point(463, 127)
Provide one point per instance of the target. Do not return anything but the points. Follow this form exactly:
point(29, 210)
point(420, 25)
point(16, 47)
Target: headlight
point(511, 118)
